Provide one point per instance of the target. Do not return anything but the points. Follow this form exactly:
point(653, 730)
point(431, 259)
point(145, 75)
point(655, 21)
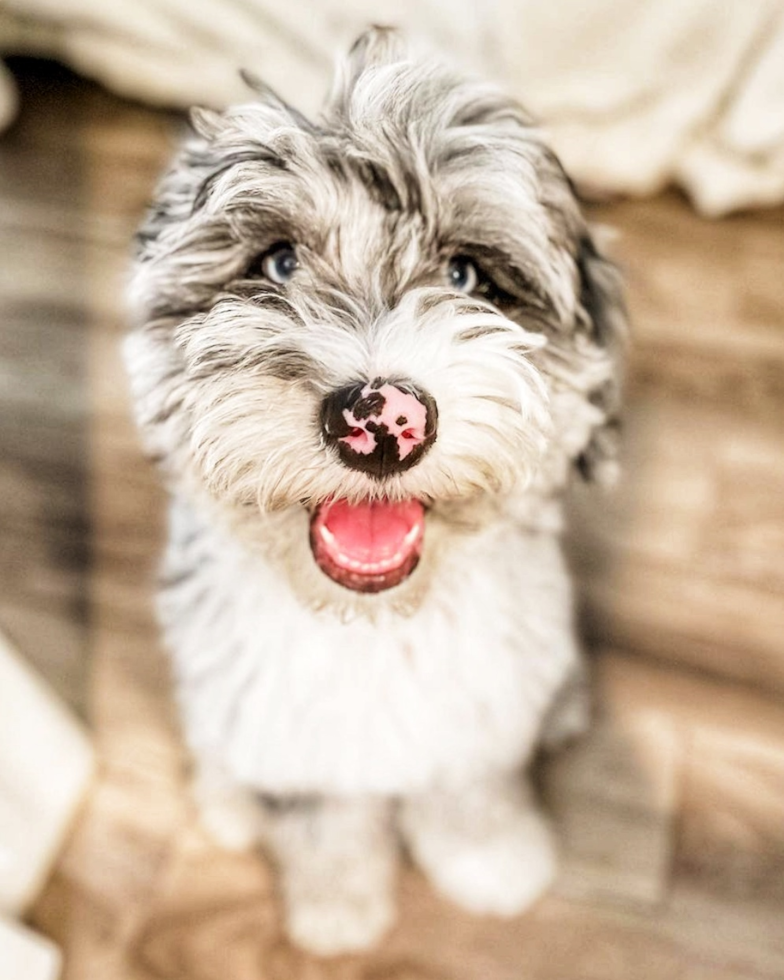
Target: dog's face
point(373, 323)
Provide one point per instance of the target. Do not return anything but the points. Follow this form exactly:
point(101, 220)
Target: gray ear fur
point(604, 305)
point(178, 190)
point(184, 188)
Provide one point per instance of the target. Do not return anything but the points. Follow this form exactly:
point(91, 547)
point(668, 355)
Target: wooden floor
point(671, 814)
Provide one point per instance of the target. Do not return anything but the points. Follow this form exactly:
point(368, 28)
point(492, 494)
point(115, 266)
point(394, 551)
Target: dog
point(368, 354)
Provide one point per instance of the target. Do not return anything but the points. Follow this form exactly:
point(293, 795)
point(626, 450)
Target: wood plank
point(684, 562)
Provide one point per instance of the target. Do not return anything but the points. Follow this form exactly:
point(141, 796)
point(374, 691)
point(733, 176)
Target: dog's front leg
point(338, 861)
point(232, 815)
point(486, 846)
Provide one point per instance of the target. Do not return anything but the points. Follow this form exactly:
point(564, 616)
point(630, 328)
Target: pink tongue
point(372, 531)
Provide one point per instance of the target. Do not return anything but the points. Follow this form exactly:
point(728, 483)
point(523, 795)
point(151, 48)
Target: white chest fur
point(287, 699)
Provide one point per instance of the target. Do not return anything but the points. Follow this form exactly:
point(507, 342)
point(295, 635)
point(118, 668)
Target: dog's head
point(373, 323)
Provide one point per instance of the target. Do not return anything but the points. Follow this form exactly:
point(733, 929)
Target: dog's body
point(392, 705)
point(369, 354)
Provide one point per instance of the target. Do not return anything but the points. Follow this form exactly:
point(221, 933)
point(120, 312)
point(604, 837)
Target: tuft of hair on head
point(205, 122)
point(376, 47)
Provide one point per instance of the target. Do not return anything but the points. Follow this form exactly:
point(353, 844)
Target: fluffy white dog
point(369, 352)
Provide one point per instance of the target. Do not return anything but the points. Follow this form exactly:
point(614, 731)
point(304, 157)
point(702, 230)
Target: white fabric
point(24, 954)
point(636, 94)
point(46, 763)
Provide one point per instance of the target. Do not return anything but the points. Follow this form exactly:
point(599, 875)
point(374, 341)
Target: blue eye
point(462, 274)
point(280, 263)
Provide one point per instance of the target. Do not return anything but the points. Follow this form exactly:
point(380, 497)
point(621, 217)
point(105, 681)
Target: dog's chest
point(289, 700)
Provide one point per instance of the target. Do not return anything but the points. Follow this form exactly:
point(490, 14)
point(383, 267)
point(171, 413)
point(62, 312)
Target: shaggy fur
point(322, 720)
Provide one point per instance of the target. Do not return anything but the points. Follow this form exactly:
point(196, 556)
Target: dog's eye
point(462, 274)
point(280, 263)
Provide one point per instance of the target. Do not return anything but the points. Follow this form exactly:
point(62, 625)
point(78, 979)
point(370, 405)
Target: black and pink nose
point(379, 428)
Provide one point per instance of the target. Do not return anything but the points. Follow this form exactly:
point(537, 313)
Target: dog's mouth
point(370, 546)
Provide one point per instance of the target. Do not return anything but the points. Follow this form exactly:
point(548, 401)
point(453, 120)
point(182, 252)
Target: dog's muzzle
point(379, 428)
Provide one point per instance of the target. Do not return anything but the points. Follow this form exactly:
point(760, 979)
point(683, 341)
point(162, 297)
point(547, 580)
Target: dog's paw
point(503, 875)
point(234, 821)
point(329, 925)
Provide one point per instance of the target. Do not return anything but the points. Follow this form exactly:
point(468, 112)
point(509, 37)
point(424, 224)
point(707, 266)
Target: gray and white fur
point(324, 722)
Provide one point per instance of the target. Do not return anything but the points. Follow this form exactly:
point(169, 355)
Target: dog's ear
point(202, 159)
point(177, 193)
point(374, 48)
point(604, 315)
point(601, 293)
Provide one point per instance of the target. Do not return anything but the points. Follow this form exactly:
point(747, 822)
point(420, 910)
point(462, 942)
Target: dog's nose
point(379, 428)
